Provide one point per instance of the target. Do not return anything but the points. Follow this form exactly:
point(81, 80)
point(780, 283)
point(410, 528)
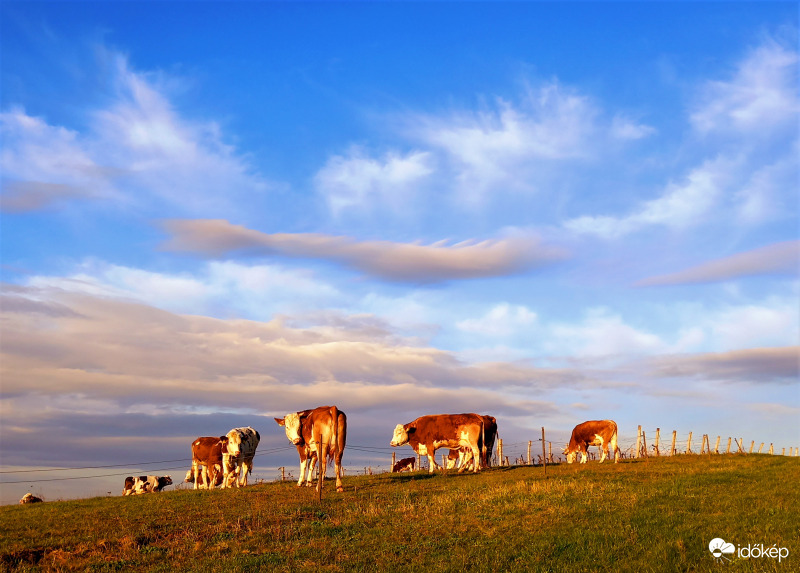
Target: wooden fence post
point(644, 445)
point(283, 473)
point(658, 440)
point(530, 461)
point(500, 451)
point(771, 451)
point(544, 457)
point(739, 443)
point(783, 451)
point(419, 461)
point(752, 444)
point(550, 452)
point(761, 447)
point(639, 442)
point(703, 444)
point(394, 457)
point(674, 436)
point(716, 445)
point(689, 444)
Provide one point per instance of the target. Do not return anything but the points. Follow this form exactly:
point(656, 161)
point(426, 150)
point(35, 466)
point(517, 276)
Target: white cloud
point(502, 320)
point(761, 95)
point(682, 205)
point(357, 181)
point(601, 334)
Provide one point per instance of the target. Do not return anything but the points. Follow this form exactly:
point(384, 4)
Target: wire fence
point(376, 460)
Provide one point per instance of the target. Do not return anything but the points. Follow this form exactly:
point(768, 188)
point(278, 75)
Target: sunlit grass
point(636, 516)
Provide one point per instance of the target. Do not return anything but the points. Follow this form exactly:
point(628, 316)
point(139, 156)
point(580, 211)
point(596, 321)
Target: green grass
point(657, 515)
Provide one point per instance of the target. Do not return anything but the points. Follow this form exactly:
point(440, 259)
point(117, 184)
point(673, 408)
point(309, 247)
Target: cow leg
point(322, 462)
point(614, 447)
point(337, 460)
point(312, 465)
point(432, 467)
point(303, 465)
point(244, 469)
point(584, 457)
point(476, 459)
point(195, 470)
point(604, 452)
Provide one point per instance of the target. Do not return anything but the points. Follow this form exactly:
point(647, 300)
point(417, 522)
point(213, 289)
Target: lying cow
point(206, 471)
point(404, 465)
point(602, 433)
point(238, 449)
point(145, 484)
point(320, 433)
point(30, 498)
point(427, 434)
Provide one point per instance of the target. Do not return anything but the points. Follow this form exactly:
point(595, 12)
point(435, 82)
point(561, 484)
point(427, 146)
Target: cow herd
point(320, 436)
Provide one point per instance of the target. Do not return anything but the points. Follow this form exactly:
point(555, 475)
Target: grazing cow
point(404, 465)
point(602, 433)
point(462, 457)
point(427, 434)
point(30, 498)
point(145, 484)
point(206, 471)
point(238, 448)
point(321, 432)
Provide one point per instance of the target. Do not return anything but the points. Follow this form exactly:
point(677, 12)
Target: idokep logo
point(721, 550)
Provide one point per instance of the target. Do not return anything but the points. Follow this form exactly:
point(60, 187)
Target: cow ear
point(281, 421)
point(258, 436)
point(411, 430)
point(223, 439)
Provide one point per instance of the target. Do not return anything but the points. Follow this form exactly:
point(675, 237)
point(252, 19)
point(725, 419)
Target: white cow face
point(291, 423)
point(571, 456)
point(233, 443)
point(400, 436)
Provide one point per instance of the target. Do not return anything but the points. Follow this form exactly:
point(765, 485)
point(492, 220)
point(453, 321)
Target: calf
point(404, 465)
point(206, 471)
point(145, 484)
point(30, 498)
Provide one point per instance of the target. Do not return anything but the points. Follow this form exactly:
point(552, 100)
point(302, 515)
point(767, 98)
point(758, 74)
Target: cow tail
point(483, 442)
point(335, 417)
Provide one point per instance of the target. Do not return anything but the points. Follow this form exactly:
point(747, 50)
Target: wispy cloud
point(778, 259)
point(137, 149)
point(762, 94)
point(683, 204)
point(358, 182)
point(756, 365)
point(404, 262)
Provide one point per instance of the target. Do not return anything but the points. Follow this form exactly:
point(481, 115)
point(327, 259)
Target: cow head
point(231, 443)
point(189, 476)
point(400, 435)
point(571, 454)
point(164, 481)
point(291, 423)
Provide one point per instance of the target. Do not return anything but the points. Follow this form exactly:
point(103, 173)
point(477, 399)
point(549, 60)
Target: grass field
point(656, 515)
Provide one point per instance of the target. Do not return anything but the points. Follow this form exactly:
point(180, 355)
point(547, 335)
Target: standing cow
point(321, 432)
point(426, 434)
point(238, 449)
point(207, 470)
point(602, 433)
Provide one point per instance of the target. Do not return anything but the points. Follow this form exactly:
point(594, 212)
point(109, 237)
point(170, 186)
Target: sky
point(214, 214)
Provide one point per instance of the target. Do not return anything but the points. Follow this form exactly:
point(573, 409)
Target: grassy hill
point(655, 515)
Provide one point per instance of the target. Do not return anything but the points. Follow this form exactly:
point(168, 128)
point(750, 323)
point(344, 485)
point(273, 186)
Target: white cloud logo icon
point(719, 549)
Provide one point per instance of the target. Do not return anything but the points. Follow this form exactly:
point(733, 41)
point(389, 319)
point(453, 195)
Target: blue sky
point(216, 213)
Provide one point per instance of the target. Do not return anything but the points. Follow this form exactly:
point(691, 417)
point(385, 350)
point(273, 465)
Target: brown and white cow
point(321, 432)
point(30, 498)
point(206, 470)
point(145, 484)
point(238, 449)
point(462, 457)
point(427, 434)
point(601, 433)
point(404, 465)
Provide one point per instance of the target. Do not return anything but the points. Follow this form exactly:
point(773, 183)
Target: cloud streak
point(778, 259)
point(401, 262)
